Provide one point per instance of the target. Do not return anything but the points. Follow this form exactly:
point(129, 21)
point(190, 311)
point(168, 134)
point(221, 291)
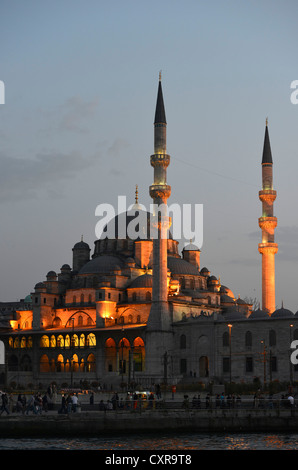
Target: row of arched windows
point(62, 364)
point(68, 341)
point(248, 341)
point(82, 299)
point(53, 341)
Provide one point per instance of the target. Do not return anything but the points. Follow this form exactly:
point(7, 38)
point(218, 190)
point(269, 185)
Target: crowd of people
point(39, 403)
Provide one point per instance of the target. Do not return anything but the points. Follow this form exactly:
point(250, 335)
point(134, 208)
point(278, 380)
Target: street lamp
point(264, 360)
point(291, 369)
point(230, 344)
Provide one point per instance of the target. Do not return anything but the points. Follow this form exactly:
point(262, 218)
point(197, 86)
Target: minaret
point(267, 223)
point(159, 318)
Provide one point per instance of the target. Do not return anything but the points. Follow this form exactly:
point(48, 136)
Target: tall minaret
point(159, 318)
point(267, 223)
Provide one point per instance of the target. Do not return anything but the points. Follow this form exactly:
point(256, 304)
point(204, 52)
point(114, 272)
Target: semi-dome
point(102, 265)
point(282, 313)
point(145, 280)
point(258, 314)
point(232, 313)
point(180, 266)
point(224, 298)
point(226, 290)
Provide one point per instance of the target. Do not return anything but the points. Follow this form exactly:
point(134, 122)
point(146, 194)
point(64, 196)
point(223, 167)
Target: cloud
point(70, 116)
point(74, 112)
point(20, 178)
point(118, 146)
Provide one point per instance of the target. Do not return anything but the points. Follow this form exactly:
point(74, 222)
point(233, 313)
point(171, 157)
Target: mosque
point(136, 311)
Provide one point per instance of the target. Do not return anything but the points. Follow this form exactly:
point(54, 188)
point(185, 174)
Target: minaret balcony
point(268, 248)
point(268, 224)
point(160, 159)
point(267, 195)
point(160, 191)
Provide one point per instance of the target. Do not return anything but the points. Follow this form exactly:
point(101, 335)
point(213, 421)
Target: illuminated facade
point(138, 311)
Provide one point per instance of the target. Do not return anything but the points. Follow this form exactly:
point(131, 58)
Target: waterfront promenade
point(179, 414)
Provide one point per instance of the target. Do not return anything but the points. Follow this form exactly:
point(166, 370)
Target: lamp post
point(230, 344)
point(264, 360)
point(291, 369)
point(71, 352)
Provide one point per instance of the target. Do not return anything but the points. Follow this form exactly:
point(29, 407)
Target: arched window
point(89, 321)
point(60, 363)
point(74, 300)
point(129, 318)
point(90, 298)
point(23, 342)
point(74, 341)
point(80, 320)
point(225, 339)
point(29, 342)
point(60, 341)
point(82, 298)
point(90, 366)
point(134, 297)
point(138, 318)
point(182, 342)
point(44, 365)
point(272, 338)
point(44, 342)
point(91, 340)
point(25, 364)
point(82, 341)
point(67, 341)
point(53, 341)
point(148, 295)
point(248, 339)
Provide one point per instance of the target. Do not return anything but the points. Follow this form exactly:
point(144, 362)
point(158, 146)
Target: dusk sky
point(76, 129)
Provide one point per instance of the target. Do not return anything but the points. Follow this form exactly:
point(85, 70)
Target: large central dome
point(133, 224)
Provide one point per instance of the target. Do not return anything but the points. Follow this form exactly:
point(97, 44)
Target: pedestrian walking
point(4, 406)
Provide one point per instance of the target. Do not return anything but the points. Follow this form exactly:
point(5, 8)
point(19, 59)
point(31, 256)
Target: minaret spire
point(160, 192)
point(268, 248)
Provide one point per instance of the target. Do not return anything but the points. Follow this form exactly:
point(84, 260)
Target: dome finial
point(81, 238)
point(137, 194)
point(266, 121)
point(160, 75)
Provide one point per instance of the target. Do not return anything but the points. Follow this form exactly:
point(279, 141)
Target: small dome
point(40, 285)
point(282, 313)
point(258, 314)
point(204, 270)
point(145, 280)
point(65, 267)
point(51, 274)
point(130, 261)
point(240, 302)
point(180, 266)
point(191, 247)
point(28, 299)
point(81, 246)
